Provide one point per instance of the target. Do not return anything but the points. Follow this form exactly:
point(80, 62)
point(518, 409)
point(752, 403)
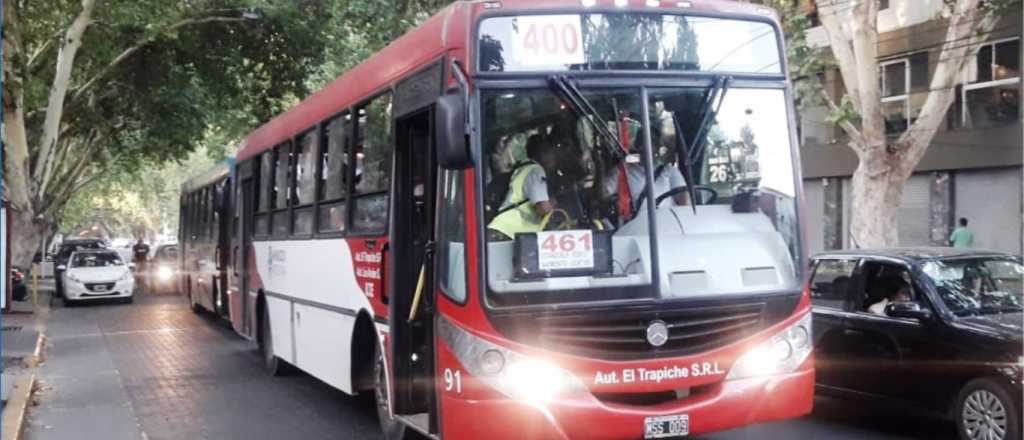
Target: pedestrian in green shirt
point(961, 236)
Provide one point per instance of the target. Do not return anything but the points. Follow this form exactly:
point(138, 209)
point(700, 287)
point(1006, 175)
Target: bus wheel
point(274, 365)
point(392, 428)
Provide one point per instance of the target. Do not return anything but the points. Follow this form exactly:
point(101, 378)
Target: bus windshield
point(566, 191)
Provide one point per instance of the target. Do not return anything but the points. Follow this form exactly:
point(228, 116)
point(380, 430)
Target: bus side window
point(372, 178)
point(305, 184)
point(451, 251)
point(265, 189)
point(334, 166)
point(281, 221)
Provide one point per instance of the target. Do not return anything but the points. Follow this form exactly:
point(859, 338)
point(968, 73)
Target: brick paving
point(155, 370)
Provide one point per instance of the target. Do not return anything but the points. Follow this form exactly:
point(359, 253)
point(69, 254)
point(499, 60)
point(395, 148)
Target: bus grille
point(624, 335)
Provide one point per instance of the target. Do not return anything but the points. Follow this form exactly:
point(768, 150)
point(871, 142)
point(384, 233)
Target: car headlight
point(782, 353)
point(72, 277)
point(534, 381)
point(164, 273)
point(127, 276)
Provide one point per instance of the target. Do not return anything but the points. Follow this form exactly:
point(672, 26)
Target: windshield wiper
point(586, 110)
point(684, 163)
point(712, 103)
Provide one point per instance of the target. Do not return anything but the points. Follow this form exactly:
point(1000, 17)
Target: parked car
point(19, 292)
point(163, 269)
point(97, 274)
point(68, 247)
point(938, 328)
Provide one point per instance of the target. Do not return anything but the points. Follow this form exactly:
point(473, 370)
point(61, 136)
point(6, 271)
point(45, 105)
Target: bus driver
point(527, 202)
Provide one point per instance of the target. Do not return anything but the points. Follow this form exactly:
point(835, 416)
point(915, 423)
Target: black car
point(938, 328)
point(68, 247)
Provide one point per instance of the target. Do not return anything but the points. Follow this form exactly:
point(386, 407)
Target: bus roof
point(218, 172)
point(443, 32)
point(406, 54)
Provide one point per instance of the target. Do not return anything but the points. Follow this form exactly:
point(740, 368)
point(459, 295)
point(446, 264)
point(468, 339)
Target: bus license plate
point(667, 426)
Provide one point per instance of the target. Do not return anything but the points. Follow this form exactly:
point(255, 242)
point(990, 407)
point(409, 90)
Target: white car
point(97, 274)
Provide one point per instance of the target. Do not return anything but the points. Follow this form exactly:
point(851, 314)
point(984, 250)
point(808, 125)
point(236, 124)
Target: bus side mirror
point(450, 123)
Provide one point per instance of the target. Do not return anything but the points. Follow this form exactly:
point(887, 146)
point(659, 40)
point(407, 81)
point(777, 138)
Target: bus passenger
point(526, 202)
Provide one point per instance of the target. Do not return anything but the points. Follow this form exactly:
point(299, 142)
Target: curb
point(14, 411)
point(37, 355)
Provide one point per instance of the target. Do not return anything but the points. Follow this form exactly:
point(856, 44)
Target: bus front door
point(411, 302)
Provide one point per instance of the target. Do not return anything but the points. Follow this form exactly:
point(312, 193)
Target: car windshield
point(568, 181)
point(970, 286)
point(69, 248)
point(167, 253)
point(96, 260)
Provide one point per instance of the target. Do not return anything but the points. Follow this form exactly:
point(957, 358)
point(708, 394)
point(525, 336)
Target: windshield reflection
point(978, 285)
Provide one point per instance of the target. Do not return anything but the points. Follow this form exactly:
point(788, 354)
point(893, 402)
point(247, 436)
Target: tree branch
point(847, 126)
point(127, 53)
point(839, 41)
point(72, 41)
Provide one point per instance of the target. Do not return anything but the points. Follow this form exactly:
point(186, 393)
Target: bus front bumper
point(726, 405)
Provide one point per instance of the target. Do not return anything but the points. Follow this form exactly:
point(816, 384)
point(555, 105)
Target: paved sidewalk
point(155, 370)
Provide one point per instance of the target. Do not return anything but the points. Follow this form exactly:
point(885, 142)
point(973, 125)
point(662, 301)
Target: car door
point(869, 341)
point(830, 286)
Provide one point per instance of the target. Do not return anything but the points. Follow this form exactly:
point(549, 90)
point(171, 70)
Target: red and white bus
point(379, 235)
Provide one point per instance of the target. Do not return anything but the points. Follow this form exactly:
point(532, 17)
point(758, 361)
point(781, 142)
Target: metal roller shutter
point(915, 212)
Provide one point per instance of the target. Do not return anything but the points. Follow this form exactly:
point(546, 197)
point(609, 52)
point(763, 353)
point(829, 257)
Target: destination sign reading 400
point(560, 250)
point(548, 40)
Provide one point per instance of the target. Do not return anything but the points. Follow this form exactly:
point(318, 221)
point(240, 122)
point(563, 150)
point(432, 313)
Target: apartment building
point(973, 167)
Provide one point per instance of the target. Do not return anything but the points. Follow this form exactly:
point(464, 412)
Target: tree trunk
point(26, 237)
point(877, 191)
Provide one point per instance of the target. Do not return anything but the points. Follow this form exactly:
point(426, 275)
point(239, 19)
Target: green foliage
point(846, 112)
point(134, 202)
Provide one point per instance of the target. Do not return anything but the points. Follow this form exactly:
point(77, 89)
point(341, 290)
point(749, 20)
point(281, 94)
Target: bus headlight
point(780, 354)
point(164, 273)
point(534, 381)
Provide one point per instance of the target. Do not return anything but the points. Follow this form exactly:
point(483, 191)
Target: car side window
point(830, 284)
point(885, 283)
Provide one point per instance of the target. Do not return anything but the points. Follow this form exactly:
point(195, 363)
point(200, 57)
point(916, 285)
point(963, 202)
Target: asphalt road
point(155, 370)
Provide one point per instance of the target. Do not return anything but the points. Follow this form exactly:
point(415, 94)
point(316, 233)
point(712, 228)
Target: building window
point(372, 179)
point(904, 84)
point(894, 83)
point(883, 5)
point(991, 96)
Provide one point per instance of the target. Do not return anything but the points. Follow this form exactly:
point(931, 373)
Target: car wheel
point(986, 411)
point(393, 429)
point(273, 364)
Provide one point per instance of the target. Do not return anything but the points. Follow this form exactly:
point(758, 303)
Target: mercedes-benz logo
point(657, 333)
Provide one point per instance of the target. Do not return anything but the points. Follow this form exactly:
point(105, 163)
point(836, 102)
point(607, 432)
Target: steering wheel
point(682, 189)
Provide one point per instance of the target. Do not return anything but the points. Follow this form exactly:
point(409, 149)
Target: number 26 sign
point(547, 40)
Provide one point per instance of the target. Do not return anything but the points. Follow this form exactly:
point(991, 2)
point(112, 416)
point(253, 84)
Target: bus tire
point(392, 428)
point(273, 364)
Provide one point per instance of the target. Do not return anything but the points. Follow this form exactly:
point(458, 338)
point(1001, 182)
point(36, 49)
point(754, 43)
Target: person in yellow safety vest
point(527, 202)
